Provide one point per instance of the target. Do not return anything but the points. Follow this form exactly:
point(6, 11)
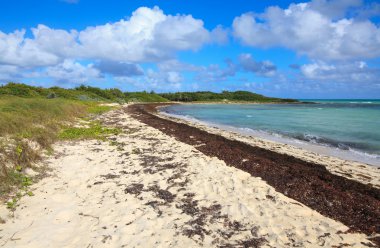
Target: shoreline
point(354, 156)
point(312, 184)
point(234, 102)
point(357, 170)
point(323, 149)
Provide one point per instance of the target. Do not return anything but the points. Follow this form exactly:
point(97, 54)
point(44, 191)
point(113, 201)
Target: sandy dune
point(145, 189)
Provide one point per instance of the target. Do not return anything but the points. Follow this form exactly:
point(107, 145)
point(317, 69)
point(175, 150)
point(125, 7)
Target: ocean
point(349, 129)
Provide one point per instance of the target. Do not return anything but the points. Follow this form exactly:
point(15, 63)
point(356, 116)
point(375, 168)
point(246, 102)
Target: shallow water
point(349, 128)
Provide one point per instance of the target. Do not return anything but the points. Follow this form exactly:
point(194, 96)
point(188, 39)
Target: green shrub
point(237, 96)
point(22, 90)
point(143, 97)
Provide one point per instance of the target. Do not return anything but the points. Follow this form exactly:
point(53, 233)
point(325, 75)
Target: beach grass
point(31, 117)
point(98, 109)
point(31, 125)
point(94, 130)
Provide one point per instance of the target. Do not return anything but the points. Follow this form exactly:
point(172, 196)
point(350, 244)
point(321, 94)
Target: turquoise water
point(346, 125)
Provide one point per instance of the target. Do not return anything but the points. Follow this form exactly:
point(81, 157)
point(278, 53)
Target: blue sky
point(298, 49)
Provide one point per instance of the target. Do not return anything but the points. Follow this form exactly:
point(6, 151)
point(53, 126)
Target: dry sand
point(145, 189)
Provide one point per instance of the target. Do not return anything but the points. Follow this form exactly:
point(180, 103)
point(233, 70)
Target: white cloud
point(119, 68)
point(316, 70)
point(264, 68)
point(220, 35)
point(215, 73)
point(66, 72)
point(147, 36)
point(15, 49)
point(174, 77)
point(154, 80)
point(357, 72)
point(9, 73)
point(57, 42)
point(311, 29)
point(245, 63)
point(175, 65)
point(70, 71)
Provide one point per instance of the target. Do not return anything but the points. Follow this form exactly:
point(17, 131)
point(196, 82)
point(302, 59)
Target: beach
point(165, 182)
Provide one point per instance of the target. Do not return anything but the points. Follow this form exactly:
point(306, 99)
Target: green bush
point(22, 90)
point(144, 97)
point(205, 96)
point(82, 93)
point(89, 93)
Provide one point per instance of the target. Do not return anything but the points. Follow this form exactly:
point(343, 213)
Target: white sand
point(149, 190)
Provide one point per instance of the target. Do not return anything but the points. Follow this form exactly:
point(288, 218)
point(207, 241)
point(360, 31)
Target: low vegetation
point(144, 97)
point(33, 117)
point(92, 130)
point(82, 93)
point(207, 96)
point(88, 93)
point(29, 126)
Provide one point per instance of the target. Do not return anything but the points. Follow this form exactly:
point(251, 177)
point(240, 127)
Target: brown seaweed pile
point(355, 204)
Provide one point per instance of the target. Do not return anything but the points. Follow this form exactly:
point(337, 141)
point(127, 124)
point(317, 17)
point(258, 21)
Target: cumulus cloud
point(215, 73)
point(120, 69)
point(174, 78)
point(322, 80)
point(154, 80)
point(70, 71)
point(357, 72)
point(9, 73)
point(245, 63)
point(220, 35)
point(147, 36)
point(15, 49)
point(264, 68)
point(67, 72)
point(58, 42)
point(316, 29)
point(175, 65)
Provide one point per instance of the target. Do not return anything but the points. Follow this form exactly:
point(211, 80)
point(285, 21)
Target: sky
point(293, 49)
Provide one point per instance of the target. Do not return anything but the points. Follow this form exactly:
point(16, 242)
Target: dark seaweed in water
point(330, 142)
point(355, 204)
